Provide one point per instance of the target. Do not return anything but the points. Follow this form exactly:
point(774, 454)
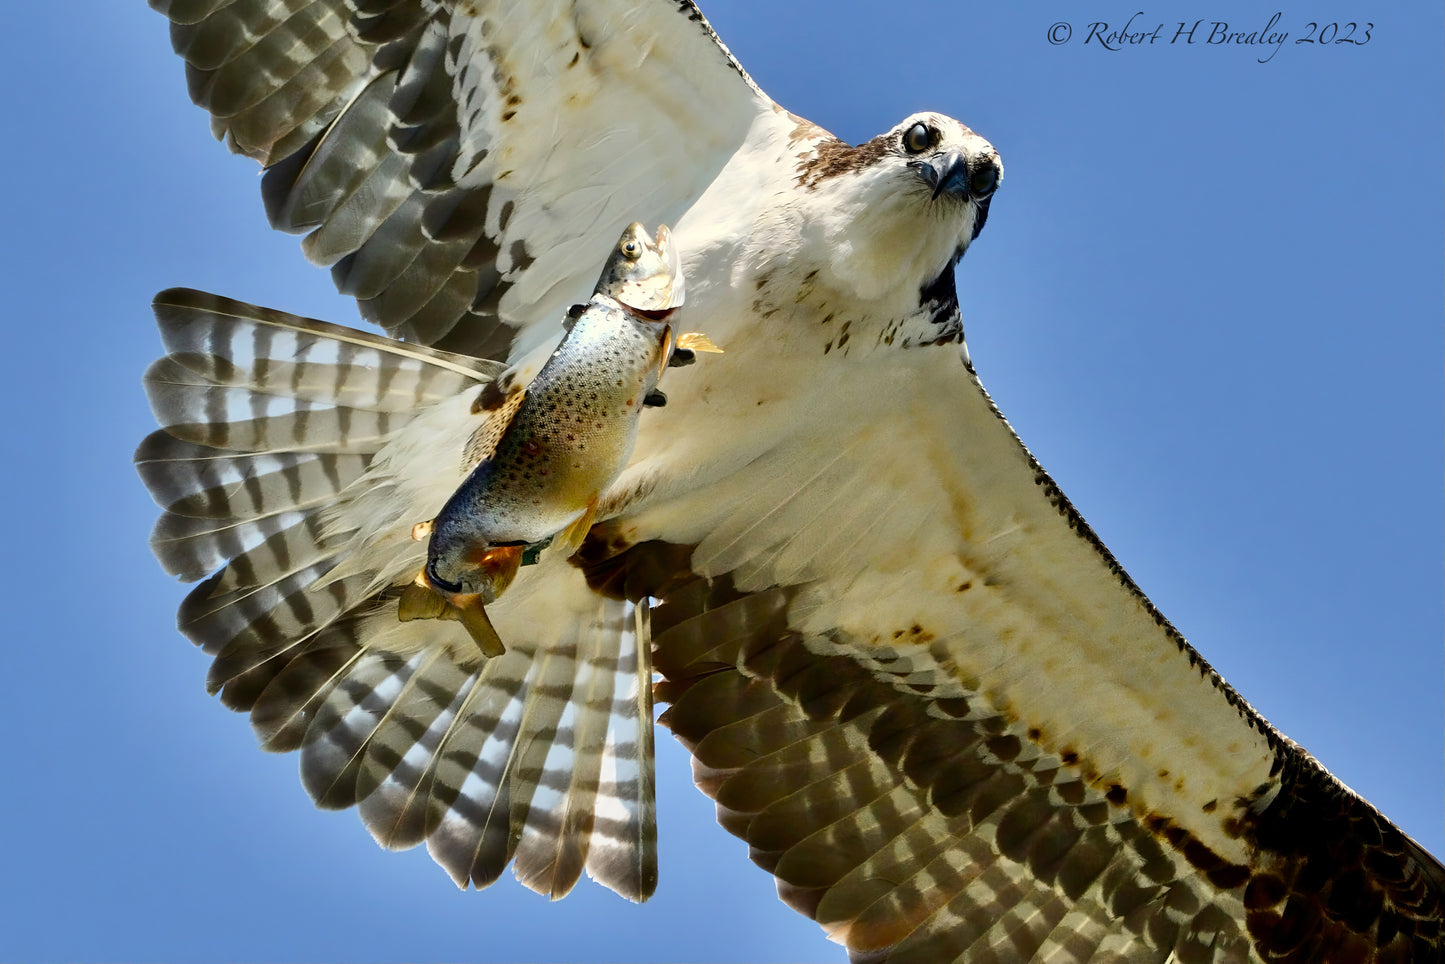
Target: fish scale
point(567, 441)
point(566, 437)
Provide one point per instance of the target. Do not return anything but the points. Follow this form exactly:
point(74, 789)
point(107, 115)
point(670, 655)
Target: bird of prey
point(913, 679)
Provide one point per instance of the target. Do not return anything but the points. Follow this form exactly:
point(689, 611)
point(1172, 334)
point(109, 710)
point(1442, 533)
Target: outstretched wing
point(942, 715)
point(293, 458)
point(915, 682)
point(921, 829)
point(464, 168)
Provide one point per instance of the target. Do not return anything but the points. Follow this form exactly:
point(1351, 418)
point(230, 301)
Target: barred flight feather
point(922, 828)
point(380, 123)
point(275, 466)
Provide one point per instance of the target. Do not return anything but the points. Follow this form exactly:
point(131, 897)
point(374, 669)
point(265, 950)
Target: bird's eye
point(631, 250)
point(982, 182)
point(917, 139)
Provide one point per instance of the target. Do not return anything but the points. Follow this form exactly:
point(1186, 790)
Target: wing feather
point(883, 861)
point(936, 707)
point(379, 122)
point(915, 726)
point(288, 467)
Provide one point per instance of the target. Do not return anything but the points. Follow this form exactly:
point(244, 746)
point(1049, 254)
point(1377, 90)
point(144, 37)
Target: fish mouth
point(437, 582)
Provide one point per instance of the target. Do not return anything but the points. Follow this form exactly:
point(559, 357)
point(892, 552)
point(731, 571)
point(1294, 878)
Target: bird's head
point(892, 215)
point(953, 164)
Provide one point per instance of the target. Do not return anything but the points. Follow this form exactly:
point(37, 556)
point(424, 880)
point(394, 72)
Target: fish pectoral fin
point(697, 341)
point(501, 564)
point(667, 346)
point(420, 602)
point(569, 540)
point(473, 614)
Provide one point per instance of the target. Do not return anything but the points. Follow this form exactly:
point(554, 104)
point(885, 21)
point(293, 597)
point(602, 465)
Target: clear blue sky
point(1208, 297)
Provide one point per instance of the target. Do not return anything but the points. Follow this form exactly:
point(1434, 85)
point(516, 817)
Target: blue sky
point(1208, 298)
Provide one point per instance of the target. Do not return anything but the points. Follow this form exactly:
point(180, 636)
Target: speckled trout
point(546, 452)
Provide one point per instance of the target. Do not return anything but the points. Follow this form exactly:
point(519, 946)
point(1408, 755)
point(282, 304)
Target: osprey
point(914, 680)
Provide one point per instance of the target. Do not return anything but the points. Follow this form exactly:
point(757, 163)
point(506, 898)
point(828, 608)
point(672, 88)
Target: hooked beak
point(948, 172)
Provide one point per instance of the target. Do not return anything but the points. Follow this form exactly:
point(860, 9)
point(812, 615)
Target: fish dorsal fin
point(483, 443)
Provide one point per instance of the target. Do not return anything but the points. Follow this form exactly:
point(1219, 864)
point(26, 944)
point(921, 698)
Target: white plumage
point(915, 682)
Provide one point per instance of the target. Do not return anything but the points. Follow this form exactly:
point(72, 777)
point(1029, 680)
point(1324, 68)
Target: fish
point(547, 451)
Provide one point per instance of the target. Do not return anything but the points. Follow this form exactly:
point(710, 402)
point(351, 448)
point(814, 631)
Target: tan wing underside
point(919, 827)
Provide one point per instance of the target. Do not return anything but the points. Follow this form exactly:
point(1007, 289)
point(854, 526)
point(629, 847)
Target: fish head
point(644, 274)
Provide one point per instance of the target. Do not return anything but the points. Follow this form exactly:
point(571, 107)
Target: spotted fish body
point(568, 440)
point(569, 434)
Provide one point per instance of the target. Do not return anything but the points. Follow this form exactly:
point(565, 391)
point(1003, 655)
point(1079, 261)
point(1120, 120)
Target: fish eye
point(981, 182)
point(917, 138)
point(631, 250)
